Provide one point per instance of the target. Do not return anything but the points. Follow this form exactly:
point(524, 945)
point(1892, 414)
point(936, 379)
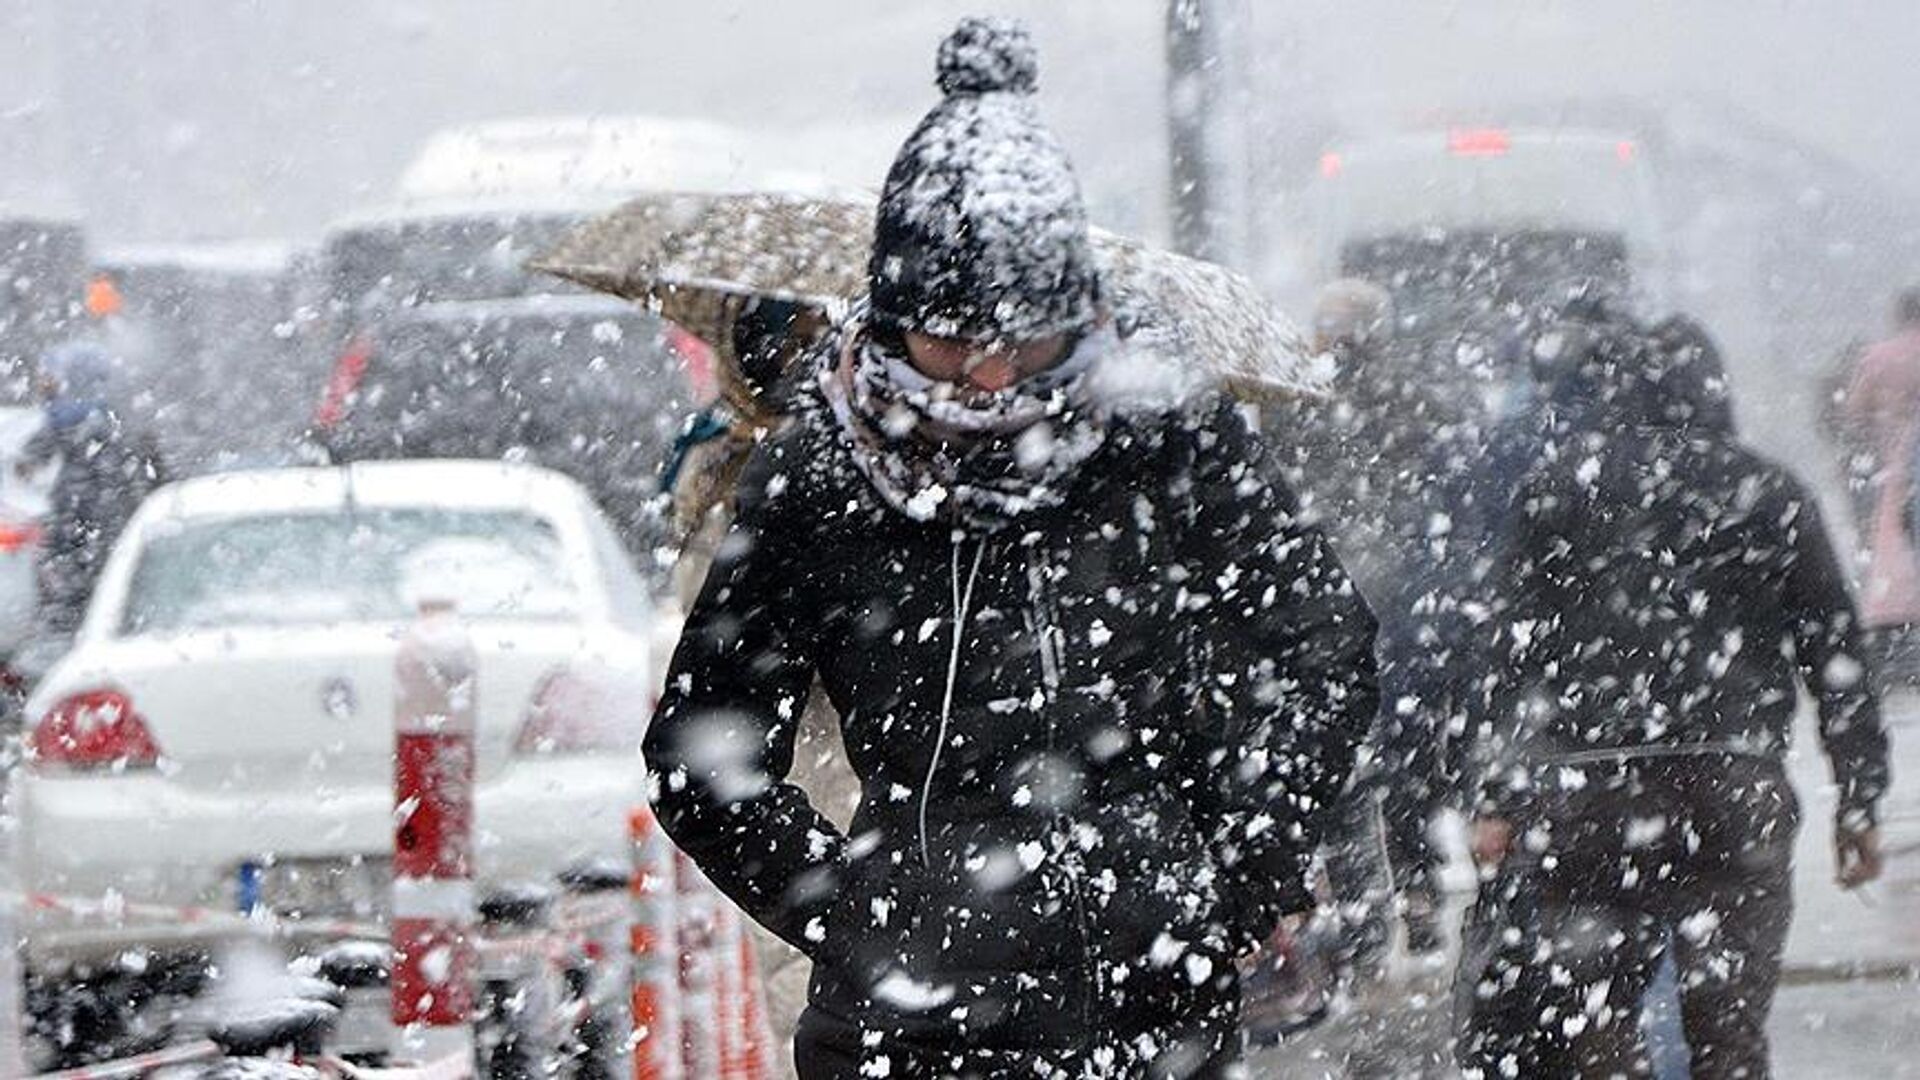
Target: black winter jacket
point(1670, 591)
point(1092, 746)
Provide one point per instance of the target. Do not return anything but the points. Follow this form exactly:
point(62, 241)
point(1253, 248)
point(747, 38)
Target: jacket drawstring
point(962, 603)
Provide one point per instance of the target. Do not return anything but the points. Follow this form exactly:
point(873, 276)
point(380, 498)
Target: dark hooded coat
point(1668, 593)
point(1093, 747)
point(1668, 587)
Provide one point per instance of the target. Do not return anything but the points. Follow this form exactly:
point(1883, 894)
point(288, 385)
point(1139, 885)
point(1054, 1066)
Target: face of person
point(979, 367)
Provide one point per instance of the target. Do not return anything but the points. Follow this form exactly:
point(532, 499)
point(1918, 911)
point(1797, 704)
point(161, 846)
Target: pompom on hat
point(982, 233)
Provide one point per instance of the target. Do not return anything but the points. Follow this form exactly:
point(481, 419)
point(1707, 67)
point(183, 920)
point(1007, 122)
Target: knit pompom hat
point(982, 233)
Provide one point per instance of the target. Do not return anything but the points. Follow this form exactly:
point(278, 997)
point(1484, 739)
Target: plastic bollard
point(702, 1028)
point(13, 1057)
point(363, 970)
point(516, 989)
point(756, 1033)
point(728, 991)
point(433, 901)
point(594, 908)
point(654, 947)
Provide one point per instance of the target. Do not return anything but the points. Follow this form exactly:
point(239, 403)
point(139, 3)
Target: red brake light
point(1330, 164)
point(94, 729)
point(572, 713)
point(347, 373)
point(1478, 142)
point(1624, 150)
point(18, 537)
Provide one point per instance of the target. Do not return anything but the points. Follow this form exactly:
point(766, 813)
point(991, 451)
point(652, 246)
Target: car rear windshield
point(1582, 185)
point(302, 569)
point(389, 265)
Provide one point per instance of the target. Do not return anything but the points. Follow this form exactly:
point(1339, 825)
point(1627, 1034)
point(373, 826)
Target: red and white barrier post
point(702, 1028)
point(753, 1043)
point(433, 898)
point(13, 1056)
point(655, 949)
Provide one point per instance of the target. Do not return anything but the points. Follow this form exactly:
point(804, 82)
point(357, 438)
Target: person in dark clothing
point(1097, 679)
point(1365, 463)
point(1668, 591)
point(107, 467)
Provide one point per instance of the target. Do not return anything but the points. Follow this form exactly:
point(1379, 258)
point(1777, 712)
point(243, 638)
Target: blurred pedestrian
point(1366, 471)
point(1097, 680)
point(1883, 406)
point(1668, 592)
point(758, 363)
point(107, 466)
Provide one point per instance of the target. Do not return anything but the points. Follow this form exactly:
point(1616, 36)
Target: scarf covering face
point(935, 454)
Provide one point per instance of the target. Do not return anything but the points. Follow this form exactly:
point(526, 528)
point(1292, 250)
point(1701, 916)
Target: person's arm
point(1833, 667)
point(39, 449)
point(1283, 648)
point(721, 744)
point(1527, 581)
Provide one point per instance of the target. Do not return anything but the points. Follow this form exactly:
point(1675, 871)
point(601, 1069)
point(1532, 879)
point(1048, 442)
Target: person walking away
point(1883, 404)
point(1366, 469)
point(107, 467)
point(1097, 679)
point(758, 365)
point(1669, 591)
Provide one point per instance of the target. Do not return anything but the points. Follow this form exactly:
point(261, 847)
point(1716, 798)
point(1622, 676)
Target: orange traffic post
point(655, 949)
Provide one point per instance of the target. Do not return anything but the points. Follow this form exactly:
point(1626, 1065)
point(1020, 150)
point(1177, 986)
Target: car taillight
point(17, 537)
point(573, 713)
point(94, 729)
point(348, 371)
point(1478, 142)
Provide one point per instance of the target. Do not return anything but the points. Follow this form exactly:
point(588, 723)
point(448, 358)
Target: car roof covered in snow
point(504, 208)
point(458, 485)
point(623, 155)
point(247, 257)
point(536, 306)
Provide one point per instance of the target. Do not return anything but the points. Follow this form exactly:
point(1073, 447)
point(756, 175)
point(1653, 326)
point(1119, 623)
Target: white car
point(222, 732)
point(23, 503)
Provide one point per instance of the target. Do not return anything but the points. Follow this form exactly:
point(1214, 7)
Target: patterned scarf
point(937, 455)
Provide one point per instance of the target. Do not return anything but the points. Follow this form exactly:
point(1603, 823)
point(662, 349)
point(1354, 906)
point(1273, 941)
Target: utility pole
point(1207, 130)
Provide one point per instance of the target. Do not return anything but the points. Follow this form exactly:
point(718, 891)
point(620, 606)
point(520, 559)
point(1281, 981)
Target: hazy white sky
point(165, 119)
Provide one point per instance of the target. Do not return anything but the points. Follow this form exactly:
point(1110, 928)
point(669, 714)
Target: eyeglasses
point(990, 366)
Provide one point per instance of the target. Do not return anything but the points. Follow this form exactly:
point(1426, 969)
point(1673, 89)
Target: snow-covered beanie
point(981, 233)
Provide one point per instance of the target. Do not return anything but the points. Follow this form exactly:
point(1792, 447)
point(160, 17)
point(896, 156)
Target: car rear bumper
point(149, 840)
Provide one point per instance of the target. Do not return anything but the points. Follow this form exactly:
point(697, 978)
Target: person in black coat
point(1096, 678)
point(1667, 592)
point(108, 466)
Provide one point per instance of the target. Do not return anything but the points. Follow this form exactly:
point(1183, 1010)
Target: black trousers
point(826, 1049)
point(1614, 865)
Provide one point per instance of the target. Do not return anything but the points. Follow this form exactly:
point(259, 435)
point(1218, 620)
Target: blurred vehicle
point(227, 707)
point(205, 332)
point(23, 506)
point(1477, 233)
point(441, 344)
point(584, 384)
point(43, 261)
point(601, 158)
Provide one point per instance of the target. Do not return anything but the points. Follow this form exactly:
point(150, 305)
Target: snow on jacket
point(1670, 590)
point(1093, 746)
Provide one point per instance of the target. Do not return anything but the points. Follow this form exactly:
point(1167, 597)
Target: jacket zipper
point(962, 604)
point(1044, 627)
